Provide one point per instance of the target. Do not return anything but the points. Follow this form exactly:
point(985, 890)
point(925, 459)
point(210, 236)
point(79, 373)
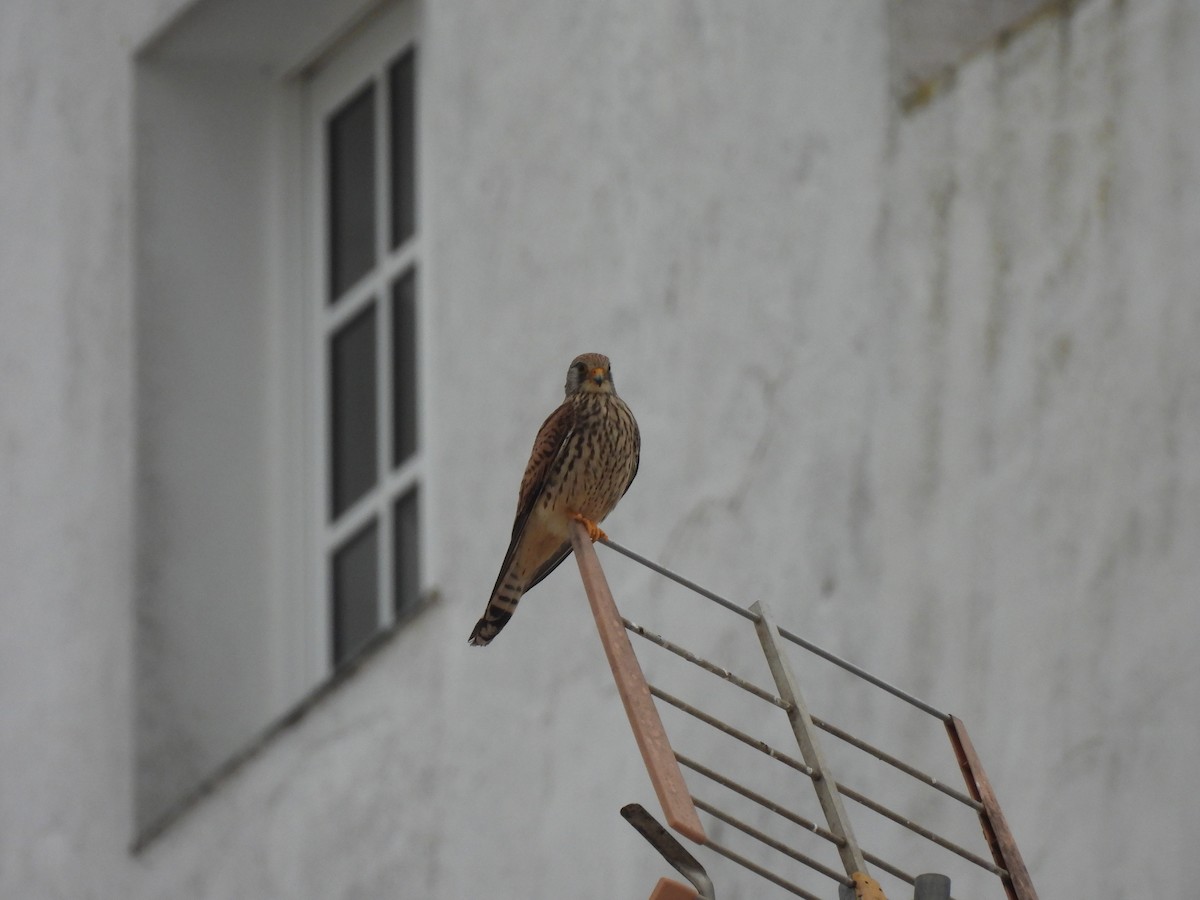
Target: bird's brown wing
point(637, 453)
point(546, 448)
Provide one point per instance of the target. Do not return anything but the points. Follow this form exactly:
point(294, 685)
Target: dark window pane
point(352, 416)
point(351, 139)
point(355, 593)
point(402, 78)
point(404, 367)
point(408, 566)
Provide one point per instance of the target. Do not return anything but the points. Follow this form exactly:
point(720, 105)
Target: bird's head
point(590, 373)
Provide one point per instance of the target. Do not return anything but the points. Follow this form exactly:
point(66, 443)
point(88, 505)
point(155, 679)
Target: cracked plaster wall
point(927, 384)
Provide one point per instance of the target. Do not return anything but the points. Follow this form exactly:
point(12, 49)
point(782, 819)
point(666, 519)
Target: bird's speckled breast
point(596, 462)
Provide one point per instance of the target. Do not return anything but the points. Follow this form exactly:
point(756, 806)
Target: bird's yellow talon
point(593, 529)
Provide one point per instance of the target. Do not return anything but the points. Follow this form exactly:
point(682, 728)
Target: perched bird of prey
point(583, 460)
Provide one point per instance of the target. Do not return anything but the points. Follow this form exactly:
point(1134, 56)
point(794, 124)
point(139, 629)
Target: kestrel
point(583, 461)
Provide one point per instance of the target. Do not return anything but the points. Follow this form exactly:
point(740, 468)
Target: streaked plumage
point(583, 460)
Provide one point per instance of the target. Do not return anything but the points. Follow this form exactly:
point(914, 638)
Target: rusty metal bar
point(648, 731)
point(670, 889)
point(760, 746)
point(896, 763)
point(703, 663)
point(769, 841)
point(1017, 882)
point(784, 633)
point(804, 730)
point(761, 872)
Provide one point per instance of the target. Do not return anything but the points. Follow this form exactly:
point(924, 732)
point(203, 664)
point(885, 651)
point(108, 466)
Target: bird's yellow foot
point(593, 529)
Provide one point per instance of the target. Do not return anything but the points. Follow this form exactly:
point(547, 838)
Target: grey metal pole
point(805, 732)
point(931, 886)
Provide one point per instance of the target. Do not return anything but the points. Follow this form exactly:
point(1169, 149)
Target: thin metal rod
point(1017, 883)
point(784, 633)
point(896, 763)
point(716, 723)
point(823, 833)
point(657, 753)
point(762, 801)
point(769, 841)
point(703, 663)
point(886, 866)
point(806, 738)
point(761, 872)
point(679, 579)
point(863, 674)
point(923, 832)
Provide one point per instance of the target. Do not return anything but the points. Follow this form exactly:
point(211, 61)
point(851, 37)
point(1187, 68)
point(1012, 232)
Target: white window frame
point(363, 56)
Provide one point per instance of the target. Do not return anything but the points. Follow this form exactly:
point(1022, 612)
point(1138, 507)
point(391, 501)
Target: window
point(361, 112)
point(282, 468)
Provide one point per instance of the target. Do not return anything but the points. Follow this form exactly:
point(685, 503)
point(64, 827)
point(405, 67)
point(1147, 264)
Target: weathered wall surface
point(1040, 232)
point(65, 451)
point(927, 383)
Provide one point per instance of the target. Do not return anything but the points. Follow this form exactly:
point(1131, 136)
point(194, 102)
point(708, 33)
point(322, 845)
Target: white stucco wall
point(926, 383)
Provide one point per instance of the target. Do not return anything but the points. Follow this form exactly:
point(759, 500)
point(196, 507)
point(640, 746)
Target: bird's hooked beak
point(598, 375)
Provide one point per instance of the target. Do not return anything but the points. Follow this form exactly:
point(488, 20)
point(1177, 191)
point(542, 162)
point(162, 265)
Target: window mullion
point(350, 304)
point(384, 438)
point(392, 543)
point(319, 656)
point(401, 479)
point(384, 355)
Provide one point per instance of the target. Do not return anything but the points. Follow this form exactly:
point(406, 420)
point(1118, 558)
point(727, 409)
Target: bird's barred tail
point(499, 610)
